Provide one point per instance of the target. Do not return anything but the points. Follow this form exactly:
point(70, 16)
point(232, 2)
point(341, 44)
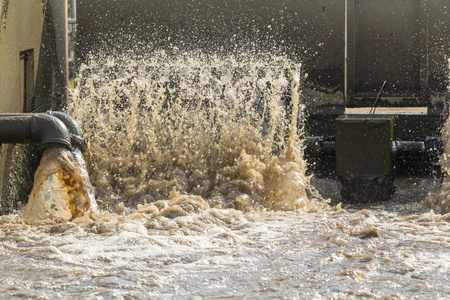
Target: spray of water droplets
point(440, 202)
point(221, 128)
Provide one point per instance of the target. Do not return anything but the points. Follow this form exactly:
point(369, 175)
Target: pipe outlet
point(76, 134)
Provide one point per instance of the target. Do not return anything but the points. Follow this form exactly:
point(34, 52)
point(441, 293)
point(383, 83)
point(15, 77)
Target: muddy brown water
point(207, 199)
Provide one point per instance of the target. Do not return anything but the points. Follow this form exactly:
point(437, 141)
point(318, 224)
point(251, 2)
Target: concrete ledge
point(389, 110)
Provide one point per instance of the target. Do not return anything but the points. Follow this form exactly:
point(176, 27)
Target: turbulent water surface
point(197, 167)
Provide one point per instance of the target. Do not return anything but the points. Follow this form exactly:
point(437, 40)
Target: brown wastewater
point(196, 162)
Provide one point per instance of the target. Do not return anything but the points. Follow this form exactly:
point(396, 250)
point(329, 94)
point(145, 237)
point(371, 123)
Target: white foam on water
point(323, 255)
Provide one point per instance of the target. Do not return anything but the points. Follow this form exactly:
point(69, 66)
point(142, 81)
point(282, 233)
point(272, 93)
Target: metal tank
point(358, 54)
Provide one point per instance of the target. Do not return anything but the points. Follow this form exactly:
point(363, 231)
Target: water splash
point(223, 128)
point(440, 202)
point(81, 163)
point(59, 191)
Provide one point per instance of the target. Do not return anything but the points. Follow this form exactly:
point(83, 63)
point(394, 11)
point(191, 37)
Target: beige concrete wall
point(40, 25)
point(22, 31)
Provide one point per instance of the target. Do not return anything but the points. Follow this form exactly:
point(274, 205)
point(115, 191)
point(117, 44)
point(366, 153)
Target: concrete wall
point(438, 44)
point(33, 34)
point(22, 31)
point(402, 41)
point(308, 31)
point(40, 26)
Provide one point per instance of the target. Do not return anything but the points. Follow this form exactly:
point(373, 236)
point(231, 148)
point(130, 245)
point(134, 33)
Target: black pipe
point(33, 128)
point(320, 145)
point(76, 134)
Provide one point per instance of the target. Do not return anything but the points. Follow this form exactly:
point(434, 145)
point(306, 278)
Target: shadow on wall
point(33, 78)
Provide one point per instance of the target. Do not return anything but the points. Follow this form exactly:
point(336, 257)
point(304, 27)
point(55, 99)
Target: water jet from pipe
point(60, 192)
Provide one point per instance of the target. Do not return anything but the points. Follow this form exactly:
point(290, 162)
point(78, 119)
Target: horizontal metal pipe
point(408, 148)
point(320, 145)
point(40, 128)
